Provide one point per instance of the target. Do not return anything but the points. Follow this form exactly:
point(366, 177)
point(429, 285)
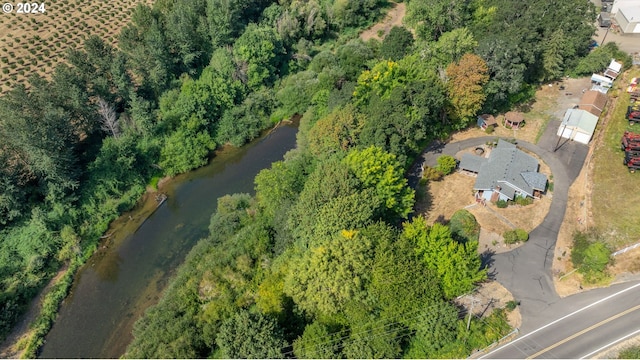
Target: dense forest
point(319, 263)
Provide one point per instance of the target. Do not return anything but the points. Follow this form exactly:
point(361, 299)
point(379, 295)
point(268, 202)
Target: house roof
point(630, 12)
point(602, 89)
point(506, 166)
point(581, 120)
point(471, 162)
point(593, 100)
point(537, 180)
point(615, 66)
point(514, 117)
point(507, 190)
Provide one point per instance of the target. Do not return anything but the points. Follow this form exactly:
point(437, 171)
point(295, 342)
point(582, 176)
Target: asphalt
point(526, 271)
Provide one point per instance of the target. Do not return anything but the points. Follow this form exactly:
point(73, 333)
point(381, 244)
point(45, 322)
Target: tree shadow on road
point(486, 259)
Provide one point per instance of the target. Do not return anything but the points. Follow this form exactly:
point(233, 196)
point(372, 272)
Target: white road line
point(560, 319)
point(611, 344)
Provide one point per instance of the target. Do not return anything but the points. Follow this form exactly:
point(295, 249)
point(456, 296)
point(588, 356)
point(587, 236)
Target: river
point(128, 273)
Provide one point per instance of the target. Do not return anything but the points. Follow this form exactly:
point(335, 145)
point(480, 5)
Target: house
point(617, 4)
point(613, 69)
point(513, 119)
point(505, 174)
point(593, 101)
point(486, 120)
point(601, 80)
point(628, 19)
point(578, 125)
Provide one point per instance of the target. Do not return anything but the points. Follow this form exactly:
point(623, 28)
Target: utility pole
point(473, 302)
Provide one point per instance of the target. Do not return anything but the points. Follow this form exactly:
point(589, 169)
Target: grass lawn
point(616, 192)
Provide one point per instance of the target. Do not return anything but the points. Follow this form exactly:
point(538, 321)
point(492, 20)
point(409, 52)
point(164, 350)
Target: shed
point(601, 80)
point(486, 120)
point(578, 125)
point(593, 101)
point(513, 119)
point(604, 19)
point(628, 19)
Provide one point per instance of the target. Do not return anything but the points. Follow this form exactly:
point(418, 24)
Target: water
point(120, 281)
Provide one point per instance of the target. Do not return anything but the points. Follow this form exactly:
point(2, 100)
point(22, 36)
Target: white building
point(578, 125)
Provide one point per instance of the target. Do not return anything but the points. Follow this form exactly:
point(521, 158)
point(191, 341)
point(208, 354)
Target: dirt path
point(394, 18)
point(9, 348)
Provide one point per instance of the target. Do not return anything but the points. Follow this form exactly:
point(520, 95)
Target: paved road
point(579, 326)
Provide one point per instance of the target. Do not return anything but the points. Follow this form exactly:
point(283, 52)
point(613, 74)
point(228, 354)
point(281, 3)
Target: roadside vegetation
point(318, 256)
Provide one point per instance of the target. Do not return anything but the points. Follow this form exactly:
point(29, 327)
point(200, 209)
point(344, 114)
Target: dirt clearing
point(394, 18)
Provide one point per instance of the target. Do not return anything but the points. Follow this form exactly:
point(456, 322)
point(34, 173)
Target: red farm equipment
point(633, 113)
point(630, 144)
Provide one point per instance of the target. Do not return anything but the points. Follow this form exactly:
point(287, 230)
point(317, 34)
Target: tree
point(250, 336)
point(318, 341)
point(332, 273)
point(338, 131)
point(396, 44)
point(185, 150)
point(187, 34)
point(465, 83)
point(451, 46)
point(352, 58)
point(260, 48)
point(431, 18)
point(436, 329)
point(457, 264)
point(380, 170)
point(110, 121)
point(464, 226)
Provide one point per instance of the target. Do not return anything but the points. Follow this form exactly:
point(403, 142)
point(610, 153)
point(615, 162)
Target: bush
point(446, 164)
point(489, 129)
point(511, 305)
point(630, 353)
point(501, 204)
point(590, 256)
point(432, 174)
point(515, 236)
point(464, 226)
point(524, 200)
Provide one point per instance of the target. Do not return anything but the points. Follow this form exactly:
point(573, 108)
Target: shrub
point(630, 353)
point(464, 226)
point(446, 164)
point(489, 129)
point(501, 204)
point(432, 174)
point(524, 200)
point(511, 305)
point(515, 236)
point(590, 256)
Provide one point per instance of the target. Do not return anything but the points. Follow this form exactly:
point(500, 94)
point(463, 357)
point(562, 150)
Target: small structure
point(486, 120)
point(613, 70)
point(513, 119)
point(601, 80)
point(593, 101)
point(505, 174)
point(628, 19)
point(578, 125)
point(604, 19)
point(601, 89)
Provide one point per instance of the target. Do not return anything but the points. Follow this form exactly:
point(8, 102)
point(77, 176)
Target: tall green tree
point(396, 44)
point(381, 171)
point(249, 335)
point(260, 50)
point(457, 264)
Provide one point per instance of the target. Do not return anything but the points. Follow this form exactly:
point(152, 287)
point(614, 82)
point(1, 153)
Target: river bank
point(105, 264)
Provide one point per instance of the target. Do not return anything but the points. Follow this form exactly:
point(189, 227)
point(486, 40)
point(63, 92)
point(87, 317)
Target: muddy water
point(129, 272)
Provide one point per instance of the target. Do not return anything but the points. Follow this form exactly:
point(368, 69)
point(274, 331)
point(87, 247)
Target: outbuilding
point(601, 80)
point(578, 125)
point(513, 119)
point(486, 120)
point(628, 19)
point(593, 101)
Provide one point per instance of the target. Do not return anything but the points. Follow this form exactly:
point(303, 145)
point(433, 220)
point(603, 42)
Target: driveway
point(526, 271)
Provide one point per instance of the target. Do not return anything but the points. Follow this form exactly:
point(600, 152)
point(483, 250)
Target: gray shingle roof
point(471, 162)
point(536, 180)
point(507, 165)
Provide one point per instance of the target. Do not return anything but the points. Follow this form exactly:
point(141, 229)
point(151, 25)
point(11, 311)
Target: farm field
point(615, 198)
point(35, 43)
